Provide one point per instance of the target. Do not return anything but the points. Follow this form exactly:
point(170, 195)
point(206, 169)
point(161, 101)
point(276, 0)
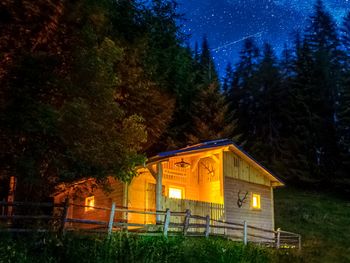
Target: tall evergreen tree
point(343, 116)
point(242, 90)
point(323, 41)
point(287, 63)
point(268, 95)
point(345, 41)
point(297, 133)
point(209, 116)
point(228, 79)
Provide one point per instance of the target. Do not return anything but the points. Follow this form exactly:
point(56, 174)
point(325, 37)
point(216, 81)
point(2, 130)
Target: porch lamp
point(182, 164)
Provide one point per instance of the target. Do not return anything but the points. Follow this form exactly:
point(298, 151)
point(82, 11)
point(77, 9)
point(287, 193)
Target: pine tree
point(345, 41)
point(287, 63)
point(297, 154)
point(323, 41)
point(242, 89)
point(343, 116)
point(343, 127)
point(207, 70)
point(209, 116)
point(268, 100)
point(228, 79)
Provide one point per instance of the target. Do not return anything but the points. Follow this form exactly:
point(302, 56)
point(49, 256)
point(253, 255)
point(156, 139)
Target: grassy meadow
point(322, 219)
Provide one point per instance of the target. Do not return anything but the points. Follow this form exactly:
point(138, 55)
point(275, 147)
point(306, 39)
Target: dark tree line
point(89, 88)
point(293, 111)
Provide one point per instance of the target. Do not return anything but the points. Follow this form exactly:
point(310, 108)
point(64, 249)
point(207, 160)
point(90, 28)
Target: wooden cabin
point(214, 178)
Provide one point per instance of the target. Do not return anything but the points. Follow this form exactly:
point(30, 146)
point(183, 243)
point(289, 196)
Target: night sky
point(227, 22)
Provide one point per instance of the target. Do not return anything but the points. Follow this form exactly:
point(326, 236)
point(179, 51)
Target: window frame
point(258, 207)
point(182, 189)
point(87, 203)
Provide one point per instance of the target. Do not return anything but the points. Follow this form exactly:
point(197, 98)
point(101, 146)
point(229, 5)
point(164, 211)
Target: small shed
point(214, 178)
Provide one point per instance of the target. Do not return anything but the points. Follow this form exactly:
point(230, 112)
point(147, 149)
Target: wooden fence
point(31, 216)
point(172, 223)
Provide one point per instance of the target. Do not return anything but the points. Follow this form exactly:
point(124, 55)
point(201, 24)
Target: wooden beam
point(207, 226)
point(245, 233)
point(195, 165)
point(186, 222)
point(152, 171)
point(166, 222)
point(111, 219)
point(159, 190)
point(125, 200)
point(273, 208)
point(216, 159)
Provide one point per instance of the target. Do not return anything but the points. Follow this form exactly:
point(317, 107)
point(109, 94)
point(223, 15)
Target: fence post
point(207, 226)
point(245, 234)
point(186, 221)
point(166, 222)
point(278, 241)
point(64, 215)
point(111, 219)
point(299, 239)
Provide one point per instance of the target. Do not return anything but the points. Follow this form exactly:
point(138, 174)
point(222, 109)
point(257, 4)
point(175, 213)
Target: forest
point(91, 88)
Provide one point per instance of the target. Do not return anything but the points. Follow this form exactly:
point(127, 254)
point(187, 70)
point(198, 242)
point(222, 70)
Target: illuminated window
point(89, 201)
point(175, 192)
point(256, 201)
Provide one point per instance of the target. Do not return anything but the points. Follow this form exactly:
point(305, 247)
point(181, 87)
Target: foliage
point(89, 88)
point(292, 112)
point(60, 119)
point(129, 248)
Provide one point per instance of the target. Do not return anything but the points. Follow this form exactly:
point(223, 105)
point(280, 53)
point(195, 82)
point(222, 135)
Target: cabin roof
point(209, 145)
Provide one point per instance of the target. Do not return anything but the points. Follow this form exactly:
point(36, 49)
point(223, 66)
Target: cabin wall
point(186, 178)
point(262, 218)
point(196, 181)
point(237, 168)
point(102, 199)
point(141, 195)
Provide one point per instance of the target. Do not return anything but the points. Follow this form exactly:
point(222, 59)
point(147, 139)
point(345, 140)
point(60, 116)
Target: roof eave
point(274, 179)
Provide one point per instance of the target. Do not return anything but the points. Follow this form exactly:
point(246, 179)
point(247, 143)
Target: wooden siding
point(195, 180)
point(214, 210)
point(236, 167)
point(141, 196)
point(262, 218)
point(102, 199)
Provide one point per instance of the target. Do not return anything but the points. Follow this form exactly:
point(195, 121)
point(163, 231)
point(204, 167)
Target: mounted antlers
point(210, 169)
point(241, 200)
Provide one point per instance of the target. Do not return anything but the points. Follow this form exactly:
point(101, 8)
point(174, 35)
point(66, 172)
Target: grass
point(322, 219)
point(122, 248)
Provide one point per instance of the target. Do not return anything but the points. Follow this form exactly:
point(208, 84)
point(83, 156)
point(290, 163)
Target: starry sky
point(226, 23)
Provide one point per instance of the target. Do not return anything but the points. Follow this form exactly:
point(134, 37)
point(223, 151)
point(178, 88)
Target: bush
point(131, 248)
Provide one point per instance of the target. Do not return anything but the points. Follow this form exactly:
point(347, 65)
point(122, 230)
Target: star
point(226, 21)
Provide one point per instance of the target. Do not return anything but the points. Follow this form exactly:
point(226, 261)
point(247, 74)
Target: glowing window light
point(256, 201)
point(89, 202)
point(175, 193)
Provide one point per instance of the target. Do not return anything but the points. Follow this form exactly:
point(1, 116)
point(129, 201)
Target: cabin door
point(150, 202)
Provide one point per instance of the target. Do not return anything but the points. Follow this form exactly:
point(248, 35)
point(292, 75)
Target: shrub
point(121, 247)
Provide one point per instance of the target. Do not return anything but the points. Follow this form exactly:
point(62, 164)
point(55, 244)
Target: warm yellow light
point(256, 201)
point(89, 202)
point(175, 193)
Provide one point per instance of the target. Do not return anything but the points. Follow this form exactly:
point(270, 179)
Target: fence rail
point(171, 223)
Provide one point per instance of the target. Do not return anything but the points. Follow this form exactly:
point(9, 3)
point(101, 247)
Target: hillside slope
point(322, 220)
